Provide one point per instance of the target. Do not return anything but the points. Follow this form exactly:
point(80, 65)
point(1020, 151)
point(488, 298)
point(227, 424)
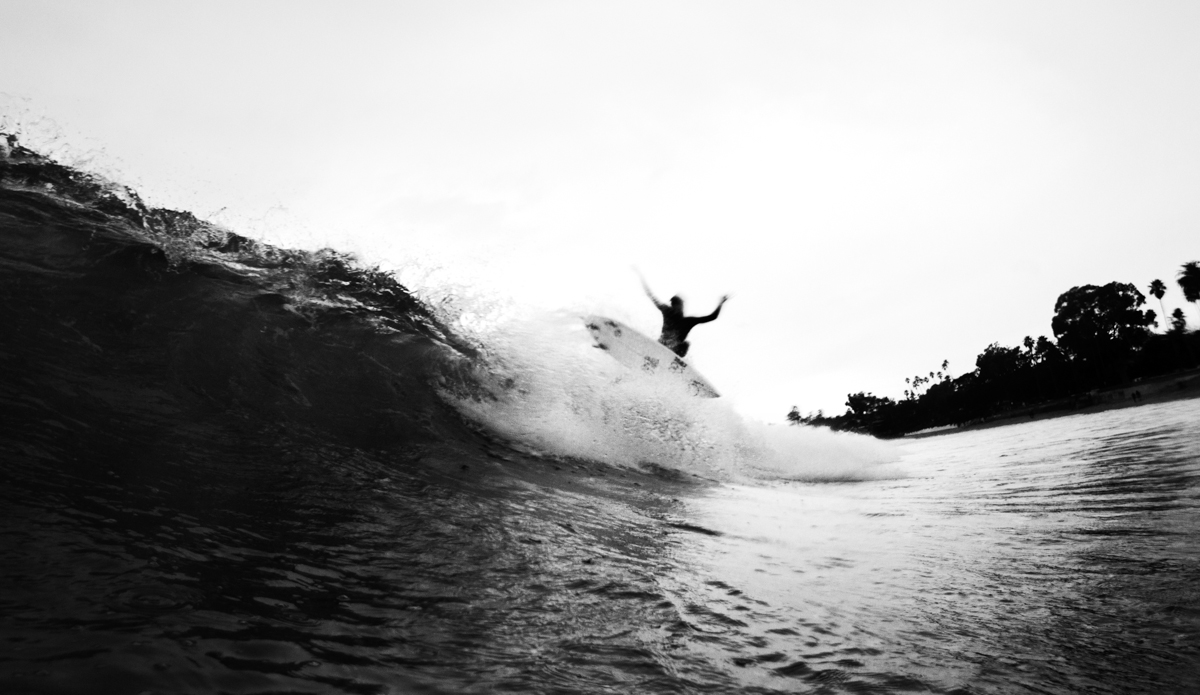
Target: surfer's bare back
point(676, 326)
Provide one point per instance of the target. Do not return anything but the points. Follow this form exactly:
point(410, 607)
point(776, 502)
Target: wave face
point(155, 305)
point(230, 467)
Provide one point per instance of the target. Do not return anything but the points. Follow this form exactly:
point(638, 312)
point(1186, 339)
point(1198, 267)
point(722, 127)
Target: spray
point(546, 387)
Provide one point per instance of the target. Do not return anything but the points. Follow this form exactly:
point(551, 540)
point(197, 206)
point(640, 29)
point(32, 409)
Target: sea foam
point(544, 386)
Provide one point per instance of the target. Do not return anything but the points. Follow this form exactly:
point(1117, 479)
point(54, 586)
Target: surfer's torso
point(675, 327)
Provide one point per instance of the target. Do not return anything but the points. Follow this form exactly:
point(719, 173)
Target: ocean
point(232, 468)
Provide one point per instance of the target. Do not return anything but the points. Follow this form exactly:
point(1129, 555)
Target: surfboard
point(640, 353)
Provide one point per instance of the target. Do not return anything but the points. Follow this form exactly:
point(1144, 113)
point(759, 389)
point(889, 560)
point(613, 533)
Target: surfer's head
point(677, 303)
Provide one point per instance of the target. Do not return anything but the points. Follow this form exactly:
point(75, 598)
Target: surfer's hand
point(725, 298)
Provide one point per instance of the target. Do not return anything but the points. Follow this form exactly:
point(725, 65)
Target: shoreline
point(1174, 387)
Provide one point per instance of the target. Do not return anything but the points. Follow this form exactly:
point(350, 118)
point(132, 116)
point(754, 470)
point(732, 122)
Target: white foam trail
point(558, 395)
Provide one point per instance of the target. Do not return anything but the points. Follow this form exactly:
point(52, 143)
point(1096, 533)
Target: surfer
point(676, 326)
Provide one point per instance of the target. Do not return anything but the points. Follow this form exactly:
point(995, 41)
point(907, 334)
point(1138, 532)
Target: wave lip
point(150, 305)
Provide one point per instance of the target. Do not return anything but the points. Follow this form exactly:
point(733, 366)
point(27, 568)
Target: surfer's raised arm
point(660, 305)
point(715, 314)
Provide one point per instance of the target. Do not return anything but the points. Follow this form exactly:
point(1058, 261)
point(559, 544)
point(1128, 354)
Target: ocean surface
point(231, 468)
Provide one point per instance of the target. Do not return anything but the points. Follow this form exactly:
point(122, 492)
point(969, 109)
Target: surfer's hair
point(676, 301)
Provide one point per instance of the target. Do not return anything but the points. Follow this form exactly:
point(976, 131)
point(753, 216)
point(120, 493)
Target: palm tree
point(1189, 281)
point(1178, 322)
point(1158, 289)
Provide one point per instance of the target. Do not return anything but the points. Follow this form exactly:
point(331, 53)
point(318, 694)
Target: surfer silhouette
point(676, 325)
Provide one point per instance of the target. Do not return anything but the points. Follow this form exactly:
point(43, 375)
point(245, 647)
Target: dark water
point(230, 468)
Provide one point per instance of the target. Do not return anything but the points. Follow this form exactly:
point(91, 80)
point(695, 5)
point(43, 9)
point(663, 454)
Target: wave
point(143, 296)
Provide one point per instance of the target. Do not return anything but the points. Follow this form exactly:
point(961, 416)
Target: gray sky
point(880, 185)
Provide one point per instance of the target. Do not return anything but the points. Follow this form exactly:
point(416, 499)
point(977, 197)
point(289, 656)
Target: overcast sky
point(881, 185)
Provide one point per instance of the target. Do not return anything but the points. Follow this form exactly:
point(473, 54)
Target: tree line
point(1102, 339)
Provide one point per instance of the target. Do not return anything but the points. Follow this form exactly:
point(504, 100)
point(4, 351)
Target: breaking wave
point(321, 339)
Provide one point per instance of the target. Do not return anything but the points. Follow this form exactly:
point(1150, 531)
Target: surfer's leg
point(682, 348)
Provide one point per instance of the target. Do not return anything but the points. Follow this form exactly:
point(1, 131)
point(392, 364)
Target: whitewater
point(230, 467)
